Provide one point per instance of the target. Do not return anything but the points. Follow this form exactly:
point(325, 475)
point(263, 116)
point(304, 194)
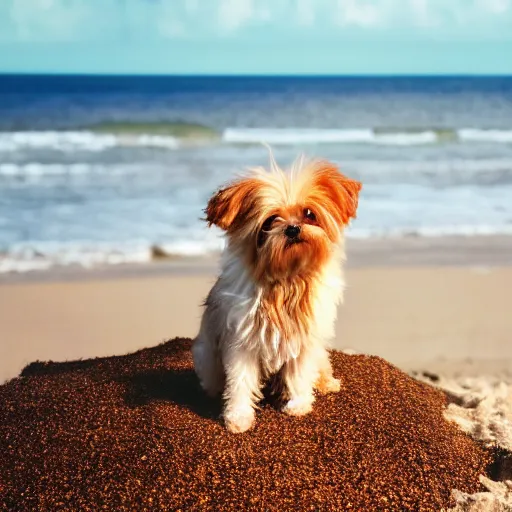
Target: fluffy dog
point(274, 304)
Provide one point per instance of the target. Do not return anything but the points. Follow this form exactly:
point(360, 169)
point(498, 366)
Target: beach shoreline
point(467, 251)
point(422, 304)
point(437, 309)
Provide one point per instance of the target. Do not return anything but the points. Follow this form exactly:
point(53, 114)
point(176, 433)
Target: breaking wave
point(172, 136)
point(381, 136)
point(445, 172)
point(46, 256)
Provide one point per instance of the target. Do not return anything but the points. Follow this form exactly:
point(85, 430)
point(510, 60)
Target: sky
point(257, 36)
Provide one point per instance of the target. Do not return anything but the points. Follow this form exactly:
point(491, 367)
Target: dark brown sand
point(136, 433)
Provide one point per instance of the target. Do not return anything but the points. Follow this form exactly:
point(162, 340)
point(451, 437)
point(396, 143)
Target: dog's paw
point(239, 420)
point(329, 385)
point(299, 406)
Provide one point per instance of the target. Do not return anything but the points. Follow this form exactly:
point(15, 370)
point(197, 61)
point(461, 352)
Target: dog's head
point(286, 223)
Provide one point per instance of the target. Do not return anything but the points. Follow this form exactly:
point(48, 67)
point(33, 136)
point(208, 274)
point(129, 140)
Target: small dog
point(272, 309)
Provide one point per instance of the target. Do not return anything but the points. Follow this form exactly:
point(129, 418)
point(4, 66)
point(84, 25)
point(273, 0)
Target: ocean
point(98, 170)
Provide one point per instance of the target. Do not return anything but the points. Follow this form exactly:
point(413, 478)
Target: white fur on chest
point(243, 322)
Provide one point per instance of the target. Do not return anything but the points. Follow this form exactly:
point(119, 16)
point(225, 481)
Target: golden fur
point(273, 306)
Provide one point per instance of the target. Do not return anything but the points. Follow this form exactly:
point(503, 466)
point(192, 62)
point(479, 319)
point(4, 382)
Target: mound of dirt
point(136, 432)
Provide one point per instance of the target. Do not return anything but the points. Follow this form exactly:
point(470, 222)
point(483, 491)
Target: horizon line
point(253, 75)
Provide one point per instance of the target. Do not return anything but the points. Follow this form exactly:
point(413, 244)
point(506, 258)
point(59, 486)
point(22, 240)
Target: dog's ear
point(233, 204)
point(340, 193)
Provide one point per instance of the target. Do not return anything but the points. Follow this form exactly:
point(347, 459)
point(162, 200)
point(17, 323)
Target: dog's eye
point(309, 214)
point(268, 223)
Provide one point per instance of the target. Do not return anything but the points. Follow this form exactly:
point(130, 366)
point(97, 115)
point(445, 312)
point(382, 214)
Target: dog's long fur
point(274, 305)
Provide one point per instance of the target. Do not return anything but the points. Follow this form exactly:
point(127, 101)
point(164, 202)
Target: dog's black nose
point(292, 231)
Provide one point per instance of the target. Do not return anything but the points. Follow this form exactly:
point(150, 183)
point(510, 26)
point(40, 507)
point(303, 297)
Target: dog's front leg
point(300, 375)
point(326, 382)
point(242, 388)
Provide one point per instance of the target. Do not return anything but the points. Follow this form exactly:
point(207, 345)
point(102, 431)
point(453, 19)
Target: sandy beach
point(438, 309)
point(441, 304)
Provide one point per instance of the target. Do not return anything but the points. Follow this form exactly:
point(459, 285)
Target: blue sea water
point(100, 169)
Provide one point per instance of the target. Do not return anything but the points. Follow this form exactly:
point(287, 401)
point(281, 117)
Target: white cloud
point(361, 13)
point(233, 14)
point(306, 12)
point(422, 13)
point(96, 20)
point(170, 23)
point(47, 19)
point(494, 6)
point(171, 29)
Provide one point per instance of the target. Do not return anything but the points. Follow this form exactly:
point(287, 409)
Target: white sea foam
point(279, 136)
point(32, 258)
point(408, 191)
point(499, 136)
point(406, 139)
point(432, 231)
point(453, 170)
point(286, 136)
point(45, 256)
point(68, 141)
point(192, 247)
point(40, 169)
